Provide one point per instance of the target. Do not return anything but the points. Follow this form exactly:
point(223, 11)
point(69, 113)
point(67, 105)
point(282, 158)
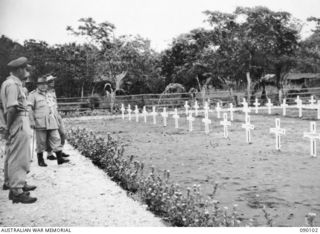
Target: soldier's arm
point(12, 113)
point(3, 123)
point(31, 101)
point(11, 93)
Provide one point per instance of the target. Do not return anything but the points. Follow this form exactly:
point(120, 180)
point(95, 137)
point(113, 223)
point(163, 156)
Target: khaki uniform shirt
point(13, 94)
point(43, 113)
point(52, 100)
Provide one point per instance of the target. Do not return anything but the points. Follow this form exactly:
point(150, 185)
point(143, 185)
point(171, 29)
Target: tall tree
point(264, 41)
point(8, 50)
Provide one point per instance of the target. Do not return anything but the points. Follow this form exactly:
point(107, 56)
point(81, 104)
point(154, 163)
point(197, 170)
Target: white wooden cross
point(190, 119)
point(248, 126)
point(225, 124)
point(313, 135)
point(129, 112)
point(122, 111)
point(312, 100)
point(246, 109)
point(284, 106)
point(269, 105)
point(318, 109)
point(164, 115)
point(256, 104)
point(299, 106)
point(243, 101)
point(145, 113)
point(196, 107)
point(206, 110)
point(231, 111)
point(154, 114)
point(278, 132)
point(136, 111)
point(218, 109)
point(176, 118)
point(186, 106)
point(206, 122)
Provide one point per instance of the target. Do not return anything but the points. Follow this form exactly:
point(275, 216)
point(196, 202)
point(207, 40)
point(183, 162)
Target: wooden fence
point(176, 99)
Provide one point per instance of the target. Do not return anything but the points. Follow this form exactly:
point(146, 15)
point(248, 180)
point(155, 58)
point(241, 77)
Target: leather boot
point(11, 194)
point(61, 160)
point(28, 187)
point(41, 162)
point(5, 187)
point(51, 157)
point(22, 198)
point(65, 155)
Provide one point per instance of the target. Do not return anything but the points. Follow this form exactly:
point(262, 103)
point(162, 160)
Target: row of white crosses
point(225, 123)
point(278, 131)
point(175, 115)
point(284, 106)
point(246, 109)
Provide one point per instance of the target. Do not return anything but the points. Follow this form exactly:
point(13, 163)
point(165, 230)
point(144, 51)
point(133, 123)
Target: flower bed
point(162, 197)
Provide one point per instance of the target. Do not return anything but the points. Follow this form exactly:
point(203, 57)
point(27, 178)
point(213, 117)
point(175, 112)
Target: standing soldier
point(52, 99)
point(45, 123)
point(17, 132)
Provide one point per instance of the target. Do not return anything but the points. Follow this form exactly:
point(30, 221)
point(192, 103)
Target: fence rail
point(172, 100)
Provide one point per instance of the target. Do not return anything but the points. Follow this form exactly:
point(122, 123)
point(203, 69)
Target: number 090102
point(311, 229)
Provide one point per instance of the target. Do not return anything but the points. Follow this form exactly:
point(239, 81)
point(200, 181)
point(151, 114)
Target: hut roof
point(299, 76)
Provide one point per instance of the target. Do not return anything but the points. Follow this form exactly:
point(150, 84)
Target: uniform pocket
point(40, 122)
point(26, 126)
point(15, 127)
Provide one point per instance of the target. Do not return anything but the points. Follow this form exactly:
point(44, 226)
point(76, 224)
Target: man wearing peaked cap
point(17, 132)
point(21, 62)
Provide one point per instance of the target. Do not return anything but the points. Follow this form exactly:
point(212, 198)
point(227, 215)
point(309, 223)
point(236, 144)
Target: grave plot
point(254, 175)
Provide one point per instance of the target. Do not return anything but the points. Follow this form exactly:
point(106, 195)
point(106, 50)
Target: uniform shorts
point(48, 139)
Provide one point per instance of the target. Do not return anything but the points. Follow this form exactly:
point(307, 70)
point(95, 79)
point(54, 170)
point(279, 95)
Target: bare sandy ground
point(250, 175)
point(74, 194)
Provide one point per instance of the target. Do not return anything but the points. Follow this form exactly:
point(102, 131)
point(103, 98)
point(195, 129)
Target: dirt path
point(76, 194)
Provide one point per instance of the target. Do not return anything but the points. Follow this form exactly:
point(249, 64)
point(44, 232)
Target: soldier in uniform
point(17, 132)
point(52, 99)
point(45, 123)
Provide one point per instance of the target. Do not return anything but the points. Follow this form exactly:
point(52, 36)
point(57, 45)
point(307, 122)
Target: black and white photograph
point(198, 115)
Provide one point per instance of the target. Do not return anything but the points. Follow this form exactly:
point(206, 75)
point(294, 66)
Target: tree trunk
point(248, 87)
point(112, 100)
point(280, 94)
point(278, 83)
point(82, 90)
point(93, 89)
point(231, 94)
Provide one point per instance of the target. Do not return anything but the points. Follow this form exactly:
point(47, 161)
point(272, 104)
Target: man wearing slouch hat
point(52, 100)
point(44, 121)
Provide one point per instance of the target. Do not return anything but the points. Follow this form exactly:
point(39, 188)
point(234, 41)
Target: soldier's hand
point(4, 133)
point(33, 126)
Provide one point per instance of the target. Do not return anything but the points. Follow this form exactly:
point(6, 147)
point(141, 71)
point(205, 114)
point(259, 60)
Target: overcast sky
point(157, 20)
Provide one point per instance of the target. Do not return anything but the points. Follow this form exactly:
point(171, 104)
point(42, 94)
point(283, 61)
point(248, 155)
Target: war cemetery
point(221, 129)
